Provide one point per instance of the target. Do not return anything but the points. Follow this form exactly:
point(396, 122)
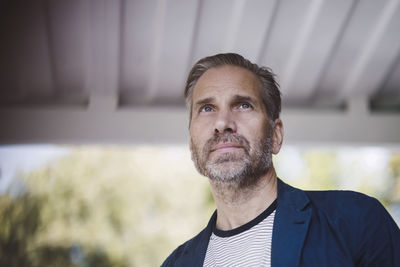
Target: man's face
point(229, 129)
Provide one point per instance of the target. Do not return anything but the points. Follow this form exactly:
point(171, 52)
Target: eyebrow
point(204, 101)
point(240, 98)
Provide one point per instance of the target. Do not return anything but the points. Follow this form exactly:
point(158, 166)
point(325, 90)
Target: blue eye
point(245, 106)
point(206, 109)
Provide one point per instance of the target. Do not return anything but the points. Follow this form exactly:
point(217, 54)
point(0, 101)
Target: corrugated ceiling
point(61, 52)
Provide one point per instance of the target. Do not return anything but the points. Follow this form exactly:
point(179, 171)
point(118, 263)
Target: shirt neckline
point(246, 226)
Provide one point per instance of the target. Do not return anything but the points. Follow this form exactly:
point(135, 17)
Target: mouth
point(226, 147)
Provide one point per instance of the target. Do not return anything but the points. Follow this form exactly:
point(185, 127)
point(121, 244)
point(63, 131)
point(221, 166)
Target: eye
point(244, 106)
point(206, 109)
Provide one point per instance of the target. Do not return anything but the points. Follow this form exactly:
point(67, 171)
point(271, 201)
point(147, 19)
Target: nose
point(225, 123)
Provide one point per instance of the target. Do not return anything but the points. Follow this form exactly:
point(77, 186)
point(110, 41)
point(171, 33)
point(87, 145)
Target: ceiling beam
point(102, 123)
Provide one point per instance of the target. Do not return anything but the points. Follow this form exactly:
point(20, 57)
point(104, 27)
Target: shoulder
point(363, 221)
point(185, 249)
point(332, 203)
point(345, 204)
point(342, 199)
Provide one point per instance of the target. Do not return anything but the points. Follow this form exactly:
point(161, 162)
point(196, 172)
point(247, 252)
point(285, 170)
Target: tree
point(107, 207)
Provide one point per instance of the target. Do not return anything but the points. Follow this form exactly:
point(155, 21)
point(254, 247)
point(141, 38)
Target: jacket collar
point(292, 219)
point(195, 251)
point(291, 223)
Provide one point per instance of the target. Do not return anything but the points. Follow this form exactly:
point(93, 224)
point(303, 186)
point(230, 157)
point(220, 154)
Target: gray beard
point(239, 170)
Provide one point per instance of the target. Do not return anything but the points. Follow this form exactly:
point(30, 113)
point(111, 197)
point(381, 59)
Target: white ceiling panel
point(289, 18)
point(354, 51)
point(139, 26)
point(323, 52)
point(312, 51)
point(249, 27)
point(212, 29)
point(67, 26)
point(174, 49)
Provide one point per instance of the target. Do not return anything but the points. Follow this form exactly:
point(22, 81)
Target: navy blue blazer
point(317, 228)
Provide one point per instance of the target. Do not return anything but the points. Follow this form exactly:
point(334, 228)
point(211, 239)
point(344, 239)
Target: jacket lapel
point(195, 251)
point(291, 224)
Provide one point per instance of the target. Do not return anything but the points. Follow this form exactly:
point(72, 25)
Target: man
point(260, 220)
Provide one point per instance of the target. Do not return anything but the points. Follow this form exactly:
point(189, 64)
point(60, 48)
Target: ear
point(277, 136)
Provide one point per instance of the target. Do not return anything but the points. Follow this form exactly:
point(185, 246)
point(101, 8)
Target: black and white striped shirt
point(247, 245)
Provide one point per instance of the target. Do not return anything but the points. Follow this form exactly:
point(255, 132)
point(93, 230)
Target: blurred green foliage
point(19, 223)
point(20, 226)
point(104, 207)
point(111, 206)
point(394, 194)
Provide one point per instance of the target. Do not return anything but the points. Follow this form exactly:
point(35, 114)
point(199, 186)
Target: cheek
point(196, 136)
point(252, 124)
point(254, 130)
point(200, 130)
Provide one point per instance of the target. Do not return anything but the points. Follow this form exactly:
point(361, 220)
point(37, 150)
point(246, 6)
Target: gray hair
point(271, 95)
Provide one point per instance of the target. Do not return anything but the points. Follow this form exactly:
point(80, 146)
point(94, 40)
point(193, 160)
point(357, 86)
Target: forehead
point(227, 80)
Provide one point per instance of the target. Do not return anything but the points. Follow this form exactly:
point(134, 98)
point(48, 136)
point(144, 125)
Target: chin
point(227, 171)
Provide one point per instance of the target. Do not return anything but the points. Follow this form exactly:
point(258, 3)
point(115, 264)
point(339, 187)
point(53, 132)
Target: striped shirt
point(247, 245)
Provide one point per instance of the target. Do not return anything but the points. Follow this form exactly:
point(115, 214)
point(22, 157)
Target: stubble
point(239, 169)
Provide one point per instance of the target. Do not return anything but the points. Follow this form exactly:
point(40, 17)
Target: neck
point(237, 206)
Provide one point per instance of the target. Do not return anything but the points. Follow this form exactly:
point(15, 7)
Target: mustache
point(226, 138)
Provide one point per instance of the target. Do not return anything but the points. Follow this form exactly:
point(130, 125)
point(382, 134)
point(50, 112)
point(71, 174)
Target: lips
point(226, 147)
